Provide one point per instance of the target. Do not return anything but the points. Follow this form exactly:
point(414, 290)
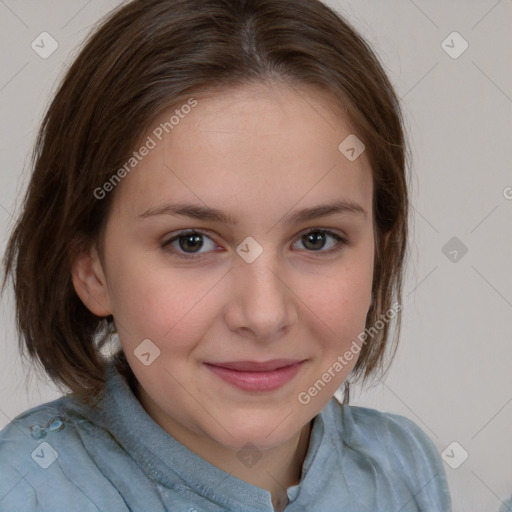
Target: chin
point(264, 430)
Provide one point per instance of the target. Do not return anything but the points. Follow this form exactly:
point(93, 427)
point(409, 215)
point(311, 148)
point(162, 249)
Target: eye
point(187, 244)
point(315, 240)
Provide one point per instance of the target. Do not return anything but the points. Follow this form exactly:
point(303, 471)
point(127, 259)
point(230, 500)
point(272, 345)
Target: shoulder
point(26, 431)
point(506, 506)
point(19, 441)
point(44, 464)
point(396, 437)
point(392, 430)
point(396, 446)
point(29, 428)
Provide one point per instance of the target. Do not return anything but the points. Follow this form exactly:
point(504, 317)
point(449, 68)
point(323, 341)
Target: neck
point(277, 469)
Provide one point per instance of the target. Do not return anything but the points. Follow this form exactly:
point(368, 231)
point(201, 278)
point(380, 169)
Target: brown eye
point(316, 240)
point(188, 244)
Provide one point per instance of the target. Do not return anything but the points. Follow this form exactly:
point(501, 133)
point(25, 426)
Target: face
point(251, 294)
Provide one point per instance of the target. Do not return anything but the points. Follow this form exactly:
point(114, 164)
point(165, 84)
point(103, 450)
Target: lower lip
point(257, 381)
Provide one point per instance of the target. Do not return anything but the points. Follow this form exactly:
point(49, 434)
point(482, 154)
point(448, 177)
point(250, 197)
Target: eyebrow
point(205, 213)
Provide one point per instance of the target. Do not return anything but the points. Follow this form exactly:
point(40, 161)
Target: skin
point(258, 152)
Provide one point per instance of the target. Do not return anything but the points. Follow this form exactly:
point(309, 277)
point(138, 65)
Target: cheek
point(154, 302)
point(343, 297)
point(342, 318)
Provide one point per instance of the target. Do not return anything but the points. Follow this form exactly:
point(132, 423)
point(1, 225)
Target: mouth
point(256, 376)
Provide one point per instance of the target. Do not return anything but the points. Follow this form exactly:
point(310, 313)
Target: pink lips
point(255, 376)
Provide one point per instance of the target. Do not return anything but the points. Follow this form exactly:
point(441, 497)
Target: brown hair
point(146, 56)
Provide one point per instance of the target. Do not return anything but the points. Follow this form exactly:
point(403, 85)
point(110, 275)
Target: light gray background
point(453, 372)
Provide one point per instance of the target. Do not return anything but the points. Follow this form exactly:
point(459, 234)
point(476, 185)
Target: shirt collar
point(169, 462)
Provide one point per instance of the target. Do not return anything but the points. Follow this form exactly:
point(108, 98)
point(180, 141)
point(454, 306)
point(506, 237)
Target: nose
point(262, 305)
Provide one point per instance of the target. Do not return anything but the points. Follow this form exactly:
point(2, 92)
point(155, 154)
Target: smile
point(254, 376)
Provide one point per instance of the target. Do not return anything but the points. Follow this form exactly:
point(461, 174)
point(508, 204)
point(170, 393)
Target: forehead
point(255, 148)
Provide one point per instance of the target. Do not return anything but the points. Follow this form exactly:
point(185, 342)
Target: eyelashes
point(193, 237)
point(185, 243)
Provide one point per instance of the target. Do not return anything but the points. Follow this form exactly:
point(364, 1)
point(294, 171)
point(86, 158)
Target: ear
point(90, 283)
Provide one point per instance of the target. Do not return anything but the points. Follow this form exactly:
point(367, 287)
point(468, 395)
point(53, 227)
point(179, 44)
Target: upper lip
point(254, 366)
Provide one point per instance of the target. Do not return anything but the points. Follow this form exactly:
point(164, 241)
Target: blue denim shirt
point(65, 456)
